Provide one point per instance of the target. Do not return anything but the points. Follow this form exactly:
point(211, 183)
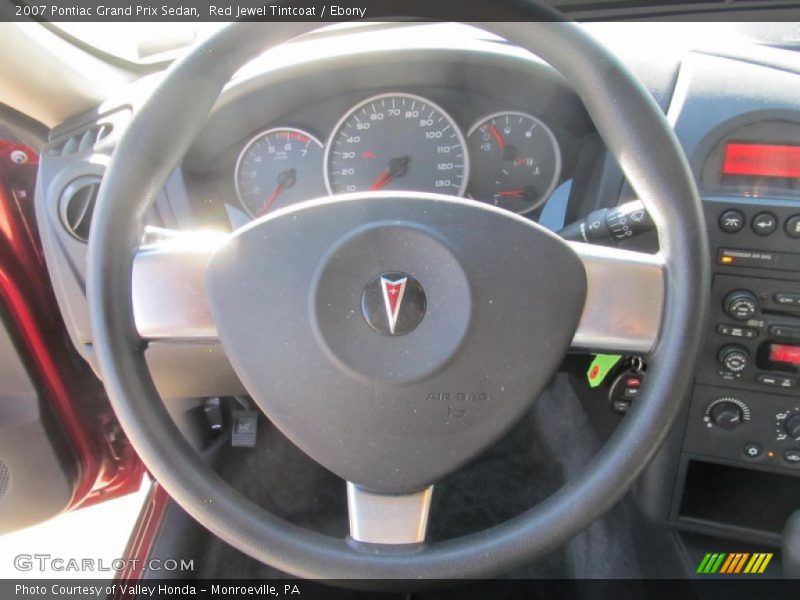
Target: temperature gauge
point(516, 161)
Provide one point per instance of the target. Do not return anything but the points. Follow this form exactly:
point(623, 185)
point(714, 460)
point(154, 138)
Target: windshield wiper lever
point(610, 224)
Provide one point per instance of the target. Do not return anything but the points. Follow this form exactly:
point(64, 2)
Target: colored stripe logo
point(734, 563)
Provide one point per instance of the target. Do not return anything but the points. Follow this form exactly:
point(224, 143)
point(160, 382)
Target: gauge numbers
point(277, 168)
point(516, 161)
point(396, 142)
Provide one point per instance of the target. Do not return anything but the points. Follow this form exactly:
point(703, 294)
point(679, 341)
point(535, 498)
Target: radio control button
point(736, 331)
point(764, 223)
point(785, 331)
point(786, 299)
point(731, 221)
point(740, 305)
point(793, 226)
point(777, 381)
point(734, 359)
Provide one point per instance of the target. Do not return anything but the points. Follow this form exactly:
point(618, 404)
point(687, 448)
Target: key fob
point(624, 389)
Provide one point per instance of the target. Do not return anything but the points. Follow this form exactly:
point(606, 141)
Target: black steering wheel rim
point(635, 131)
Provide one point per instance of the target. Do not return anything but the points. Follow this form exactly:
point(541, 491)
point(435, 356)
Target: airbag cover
point(394, 413)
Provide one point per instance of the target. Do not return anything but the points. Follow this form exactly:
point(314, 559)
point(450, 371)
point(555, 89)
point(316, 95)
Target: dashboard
point(480, 119)
point(448, 140)
point(402, 141)
point(467, 125)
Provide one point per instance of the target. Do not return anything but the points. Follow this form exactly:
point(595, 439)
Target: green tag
point(600, 367)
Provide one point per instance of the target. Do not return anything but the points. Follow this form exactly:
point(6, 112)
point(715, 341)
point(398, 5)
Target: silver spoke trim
point(168, 287)
point(624, 300)
point(622, 312)
point(388, 519)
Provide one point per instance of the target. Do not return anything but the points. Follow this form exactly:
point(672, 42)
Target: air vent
point(80, 141)
point(5, 479)
point(77, 205)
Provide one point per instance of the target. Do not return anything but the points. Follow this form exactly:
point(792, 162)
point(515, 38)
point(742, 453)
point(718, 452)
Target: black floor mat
point(553, 443)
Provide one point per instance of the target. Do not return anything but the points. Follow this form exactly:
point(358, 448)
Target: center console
point(739, 472)
point(731, 467)
point(746, 403)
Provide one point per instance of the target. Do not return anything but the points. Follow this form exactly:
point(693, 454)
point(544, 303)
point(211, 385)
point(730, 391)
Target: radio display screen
point(761, 160)
point(785, 354)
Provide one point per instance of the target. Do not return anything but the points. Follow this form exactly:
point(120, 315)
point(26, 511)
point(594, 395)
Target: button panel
point(735, 350)
point(743, 426)
point(755, 307)
point(772, 225)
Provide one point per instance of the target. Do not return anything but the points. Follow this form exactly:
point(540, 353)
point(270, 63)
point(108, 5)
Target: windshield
point(138, 42)
point(144, 43)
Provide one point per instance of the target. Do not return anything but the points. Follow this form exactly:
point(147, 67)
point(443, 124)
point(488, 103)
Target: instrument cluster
point(402, 141)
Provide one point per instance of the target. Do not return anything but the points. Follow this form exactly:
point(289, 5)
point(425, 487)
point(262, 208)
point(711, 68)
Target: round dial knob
point(734, 358)
point(726, 415)
point(792, 427)
point(740, 305)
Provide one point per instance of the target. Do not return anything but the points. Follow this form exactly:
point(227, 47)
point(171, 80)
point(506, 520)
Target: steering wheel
point(393, 395)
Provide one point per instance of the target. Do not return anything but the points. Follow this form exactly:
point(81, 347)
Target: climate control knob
point(740, 305)
point(733, 358)
point(726, 413)
point(792, 427)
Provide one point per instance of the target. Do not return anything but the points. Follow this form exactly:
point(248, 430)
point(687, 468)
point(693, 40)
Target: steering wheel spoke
point(624, 300)
point(622, 312)
point(168, 286)
point(388, 519)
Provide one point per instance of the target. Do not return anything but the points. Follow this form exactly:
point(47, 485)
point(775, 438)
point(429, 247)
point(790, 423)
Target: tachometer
point(515, 161)
point(277, 168)
point(396, 142)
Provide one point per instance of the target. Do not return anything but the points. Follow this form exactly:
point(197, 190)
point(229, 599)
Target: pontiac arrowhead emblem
point(393, 292)
point(393, 303)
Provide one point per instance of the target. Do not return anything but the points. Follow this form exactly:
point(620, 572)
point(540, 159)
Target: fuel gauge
point(516, 161)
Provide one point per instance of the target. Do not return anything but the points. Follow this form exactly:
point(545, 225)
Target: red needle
point(397, 168)
point(513, 193)
point(382, 180)
point(272, 197)
point(286, 179)
point(500, 141)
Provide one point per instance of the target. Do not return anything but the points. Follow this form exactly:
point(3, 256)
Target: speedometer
point(396, 142)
